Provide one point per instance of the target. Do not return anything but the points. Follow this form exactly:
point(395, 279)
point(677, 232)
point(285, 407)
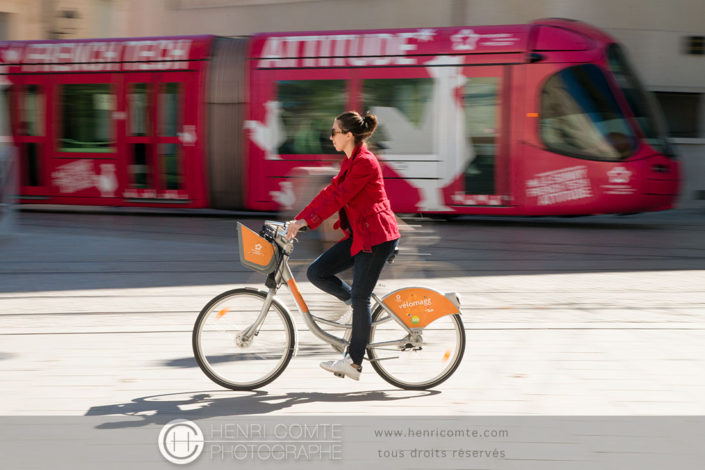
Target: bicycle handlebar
point(275, 232)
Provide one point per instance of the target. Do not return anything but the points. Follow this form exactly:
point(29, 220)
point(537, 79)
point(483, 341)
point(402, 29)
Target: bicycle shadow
point(160, 409)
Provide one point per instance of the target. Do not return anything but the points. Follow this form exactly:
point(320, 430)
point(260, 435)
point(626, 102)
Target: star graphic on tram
point(425, 34)
point(465, 40)
point(619, 175)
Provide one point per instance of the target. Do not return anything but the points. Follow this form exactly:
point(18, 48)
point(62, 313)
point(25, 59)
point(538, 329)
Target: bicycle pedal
point(339, 374)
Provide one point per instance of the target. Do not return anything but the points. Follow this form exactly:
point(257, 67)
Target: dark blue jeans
point(367, 267)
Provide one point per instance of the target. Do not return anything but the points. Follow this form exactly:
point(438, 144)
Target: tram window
point(169, 109)
point(482, 105)
point(86, 112)
point(306, 109)
point(402, 107)
point(8, 94)
point(138, 102)
point(170, 166)
point(643, 105)
point(580, 116)
point(31, 124)
point(32, 112)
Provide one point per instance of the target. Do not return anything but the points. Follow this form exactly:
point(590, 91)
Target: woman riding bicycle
point(365, 215)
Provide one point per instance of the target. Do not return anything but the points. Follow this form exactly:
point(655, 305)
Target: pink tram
point(540, 119)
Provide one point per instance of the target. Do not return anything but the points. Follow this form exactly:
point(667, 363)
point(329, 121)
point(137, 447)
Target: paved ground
point(594, 316)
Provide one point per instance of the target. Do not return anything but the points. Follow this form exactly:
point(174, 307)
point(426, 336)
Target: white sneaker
point(342, 367)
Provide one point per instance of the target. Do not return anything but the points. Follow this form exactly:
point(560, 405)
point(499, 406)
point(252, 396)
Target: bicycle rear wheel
point(236, 362)
point(416, 363)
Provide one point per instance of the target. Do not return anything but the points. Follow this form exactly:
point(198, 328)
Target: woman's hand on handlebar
point(294, 226)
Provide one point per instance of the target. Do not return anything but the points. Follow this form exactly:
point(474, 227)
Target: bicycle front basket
point(255, 252)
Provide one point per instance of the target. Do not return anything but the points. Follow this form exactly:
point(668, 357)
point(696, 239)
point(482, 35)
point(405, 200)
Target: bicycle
point(244, 338)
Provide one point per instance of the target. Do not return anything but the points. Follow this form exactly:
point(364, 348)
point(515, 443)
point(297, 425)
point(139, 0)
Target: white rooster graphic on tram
point(429, 156)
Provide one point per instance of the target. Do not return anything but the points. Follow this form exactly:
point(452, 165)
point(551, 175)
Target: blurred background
point(665, 40)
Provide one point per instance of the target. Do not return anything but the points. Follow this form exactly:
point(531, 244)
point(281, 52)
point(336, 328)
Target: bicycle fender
point(419, 306)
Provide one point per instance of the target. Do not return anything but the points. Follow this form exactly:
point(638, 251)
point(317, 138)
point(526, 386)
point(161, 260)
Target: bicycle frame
point(283, 274)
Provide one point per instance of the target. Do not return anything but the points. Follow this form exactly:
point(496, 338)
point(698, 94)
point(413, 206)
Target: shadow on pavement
point(304, 350)
point(160, 409)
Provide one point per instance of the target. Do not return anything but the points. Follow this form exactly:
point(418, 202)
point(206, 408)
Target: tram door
point(28, 110)
point(160, 136)
point(486, 113)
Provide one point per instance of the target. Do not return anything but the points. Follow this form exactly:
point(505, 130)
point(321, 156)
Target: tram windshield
point(580, 116)
point(642, 103)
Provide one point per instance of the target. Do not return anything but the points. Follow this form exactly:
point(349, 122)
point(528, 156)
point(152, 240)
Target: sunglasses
point(336, 131)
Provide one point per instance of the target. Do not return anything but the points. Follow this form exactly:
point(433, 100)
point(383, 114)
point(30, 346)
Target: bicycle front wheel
point(232, 358)
point(420, 362)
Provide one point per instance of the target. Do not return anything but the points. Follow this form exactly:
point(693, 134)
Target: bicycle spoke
point(235, 361)
point(424, 358)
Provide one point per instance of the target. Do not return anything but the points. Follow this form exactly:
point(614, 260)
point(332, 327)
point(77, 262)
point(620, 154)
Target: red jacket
point(357, 193)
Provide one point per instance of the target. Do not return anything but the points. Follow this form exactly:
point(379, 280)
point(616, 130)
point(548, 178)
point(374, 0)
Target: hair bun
point(361, 126)
point(370, 121)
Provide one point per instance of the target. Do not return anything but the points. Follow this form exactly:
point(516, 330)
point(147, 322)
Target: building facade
point(63, 19)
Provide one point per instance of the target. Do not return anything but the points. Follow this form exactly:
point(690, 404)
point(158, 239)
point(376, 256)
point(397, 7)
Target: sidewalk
point(96, 316)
